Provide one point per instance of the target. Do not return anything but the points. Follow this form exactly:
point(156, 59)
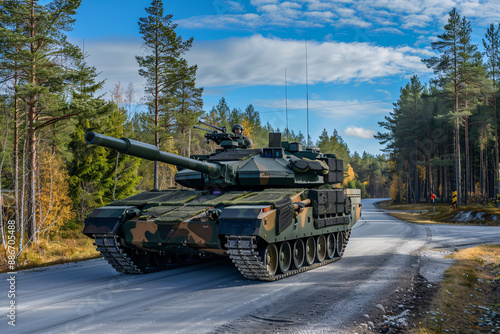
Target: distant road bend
point(212, 297)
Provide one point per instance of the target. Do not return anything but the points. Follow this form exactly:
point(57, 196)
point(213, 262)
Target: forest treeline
point(442, 137)
point(50, 179)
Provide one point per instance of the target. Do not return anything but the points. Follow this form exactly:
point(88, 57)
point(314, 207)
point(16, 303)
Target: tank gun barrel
point(151, 152)
point(199, 127)
point(221, 129)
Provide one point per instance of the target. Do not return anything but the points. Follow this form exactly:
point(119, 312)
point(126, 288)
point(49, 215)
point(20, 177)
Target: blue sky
point(360, 53)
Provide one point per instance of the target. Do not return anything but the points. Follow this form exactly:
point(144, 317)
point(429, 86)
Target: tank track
point(116, 255)
point(243, 252)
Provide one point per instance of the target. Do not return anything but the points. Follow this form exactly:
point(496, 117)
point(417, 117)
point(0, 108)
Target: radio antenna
point(286, 108)
point(307, 94)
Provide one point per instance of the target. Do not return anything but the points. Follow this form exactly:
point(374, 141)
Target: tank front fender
point(240, 227)
point(246, 219)
point(108, 219)
point(101, 226)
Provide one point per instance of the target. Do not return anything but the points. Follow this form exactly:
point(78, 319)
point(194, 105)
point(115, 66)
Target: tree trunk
point(497, 162)
point(430, 183)
point(407, 181)
point(486, 174)
point(157, 107)
point(458, 169)
point(31, 183)
point(467, 159)
point(416, 199)
point(31, 220)
point(16, 155)
point(481, 161)
point(457, 161)
point(189, 143)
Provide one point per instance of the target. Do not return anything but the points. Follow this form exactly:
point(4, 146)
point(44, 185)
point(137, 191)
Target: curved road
point(212, 297)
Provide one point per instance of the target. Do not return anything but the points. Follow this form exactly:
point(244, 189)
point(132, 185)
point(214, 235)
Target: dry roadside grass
point(469, 298)
point(66, 246)
point(444, 213)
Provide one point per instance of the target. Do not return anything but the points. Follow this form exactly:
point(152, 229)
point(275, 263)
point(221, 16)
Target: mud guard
point(108, 219)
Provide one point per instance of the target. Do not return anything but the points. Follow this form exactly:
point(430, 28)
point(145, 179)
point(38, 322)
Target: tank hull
point(156, 230)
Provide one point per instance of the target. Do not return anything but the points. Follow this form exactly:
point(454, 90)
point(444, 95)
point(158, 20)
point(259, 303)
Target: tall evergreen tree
point(491, 45)
point(219, 115)
point(235, 117)
point(472, 75)
point(457, 64)
point(253, 127)
point(187, 106)
point(446, 67)
point(99, 175)
point(404, 126)
point(39, 59)
point(162, 66)
point(87, 162)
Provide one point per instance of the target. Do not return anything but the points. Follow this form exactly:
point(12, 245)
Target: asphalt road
point(212, 297)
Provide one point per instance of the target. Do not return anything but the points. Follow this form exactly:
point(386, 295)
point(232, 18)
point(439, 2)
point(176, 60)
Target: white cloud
point(324, 16)
point(353, 22)
point(267, 13)
point(405, 14)
point(359, 132)
point(234, 6)
point(262, 2)
point(330, 109)
point(258, 60)
point(228, 6)
point(386, 93)
point(388, 30)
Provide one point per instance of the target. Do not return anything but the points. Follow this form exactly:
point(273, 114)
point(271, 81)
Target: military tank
point(276, 211)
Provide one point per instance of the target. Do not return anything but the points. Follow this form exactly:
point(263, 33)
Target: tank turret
point(234, 166)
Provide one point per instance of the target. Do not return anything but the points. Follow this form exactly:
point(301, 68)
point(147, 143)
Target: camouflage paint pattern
point(237, 192)
point(181, 228)
point(139, 232)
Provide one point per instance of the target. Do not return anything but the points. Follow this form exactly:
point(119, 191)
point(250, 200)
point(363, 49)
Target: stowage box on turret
point(275, 211)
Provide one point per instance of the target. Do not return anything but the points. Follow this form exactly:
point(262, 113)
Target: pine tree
point(235, 117)
point(162, 66)
point(87, 162)
point(99, 175)
point(187, 109)
point(492, 50)
point(339, 147)
point(323, 142)
point(405, 119)
point(455, 67)
point(219, 115)
point(253, 127)
point(37, 61)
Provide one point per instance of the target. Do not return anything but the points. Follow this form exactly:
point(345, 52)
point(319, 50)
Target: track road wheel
point(285, 257)
point(339, 244)
point(330, 246)
point(139, 258)
point(271, 259)
point(298, 253)
point(320, 248)
point(161, 260)
point(310, 250)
